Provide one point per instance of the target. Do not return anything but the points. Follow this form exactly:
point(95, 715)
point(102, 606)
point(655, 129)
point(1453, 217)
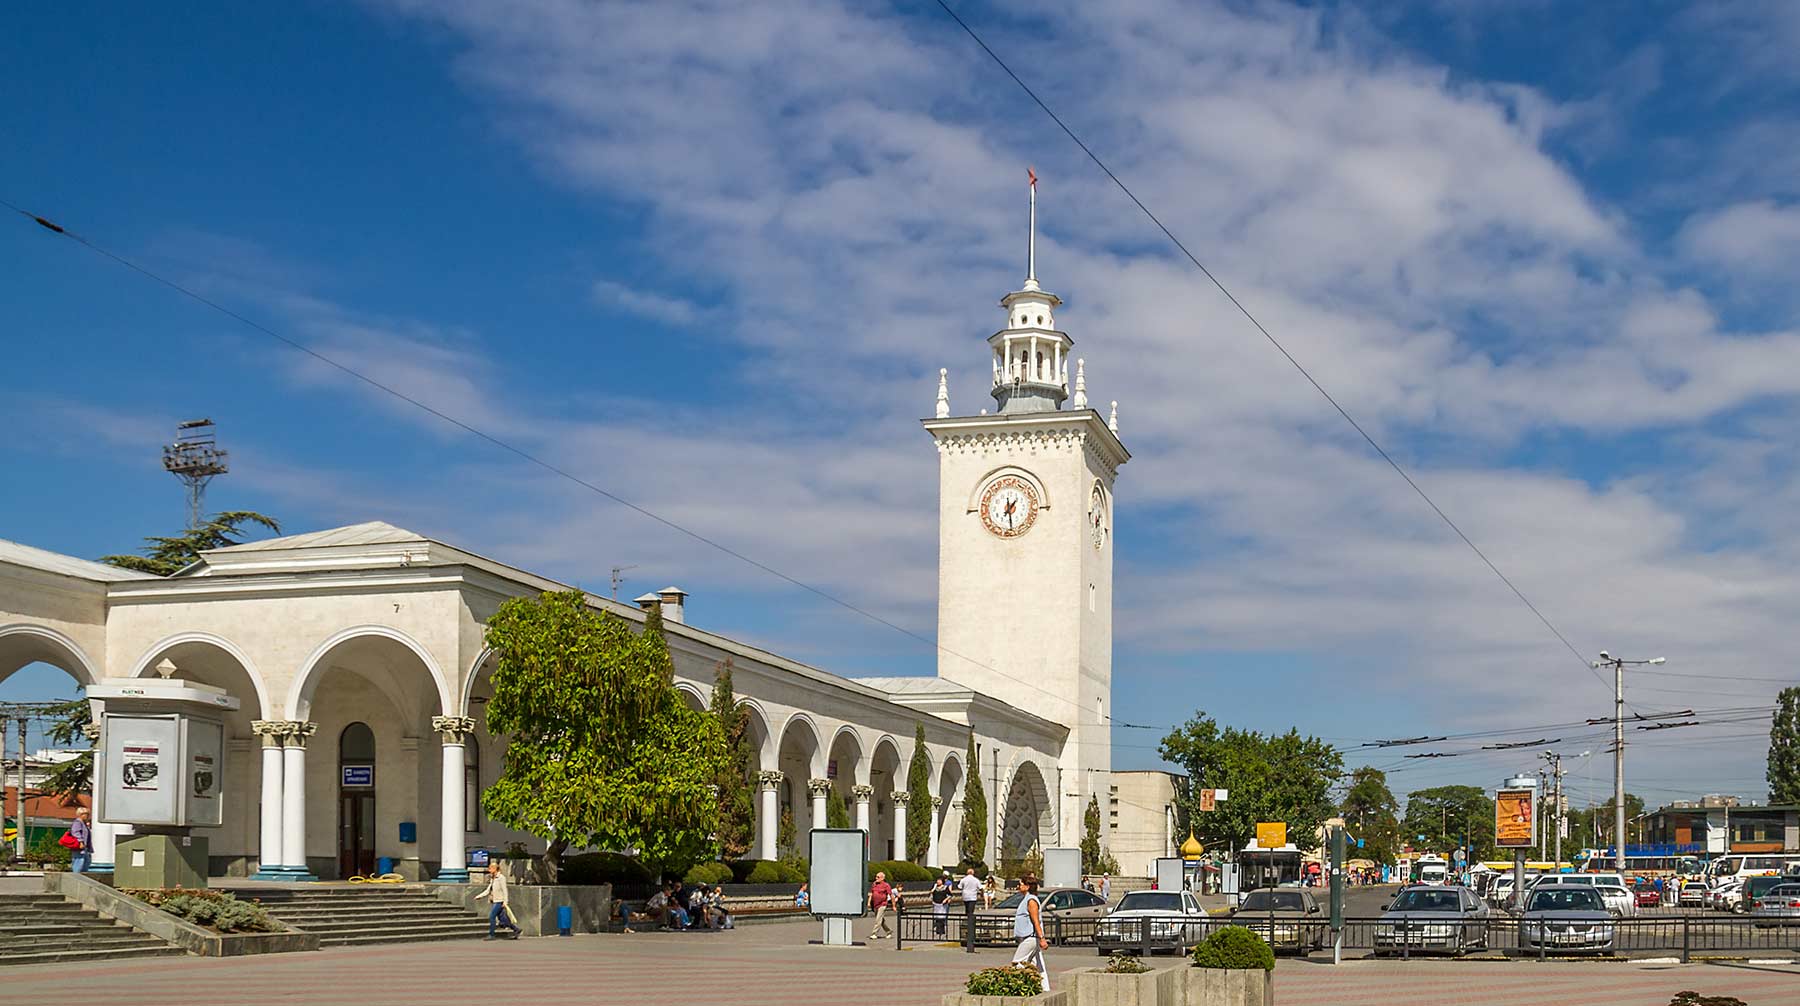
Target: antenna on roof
point(617, 579)
point(194, 458)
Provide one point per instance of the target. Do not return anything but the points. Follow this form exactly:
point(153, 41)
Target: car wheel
point(1102, 952)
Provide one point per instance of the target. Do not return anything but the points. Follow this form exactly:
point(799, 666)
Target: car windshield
point(1012, 902)
point(1427, 901)
point(1140, 901)
point(1562, 899)
point(1756, 887)
point(1784, 891)
point(1277, 901)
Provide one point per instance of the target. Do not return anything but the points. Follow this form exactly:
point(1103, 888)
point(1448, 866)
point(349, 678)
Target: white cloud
point(1760, 237)
point(850, 182)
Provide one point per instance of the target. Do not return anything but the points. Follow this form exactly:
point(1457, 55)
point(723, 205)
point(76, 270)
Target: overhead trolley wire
point(1266, 334)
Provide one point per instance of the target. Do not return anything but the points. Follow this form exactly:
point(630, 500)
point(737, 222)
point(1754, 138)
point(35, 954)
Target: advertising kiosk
point(160, 767)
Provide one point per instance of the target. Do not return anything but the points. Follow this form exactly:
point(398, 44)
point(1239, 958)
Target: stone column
point(768, 813)
point(271, 853)
point(104, 835)
point(819, 788)
point(293, 800)
point(452, 856)
point(900, 802)
point(862, 795)
point(932, 857)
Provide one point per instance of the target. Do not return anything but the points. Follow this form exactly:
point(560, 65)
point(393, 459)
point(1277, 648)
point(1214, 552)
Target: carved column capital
point(298, 732)
point(937, 801)
point(862, 793)
point(818, 787)
point(91, 732)
point(453, 729)
point(271, 731)
point(901, 799)
point(770, 778)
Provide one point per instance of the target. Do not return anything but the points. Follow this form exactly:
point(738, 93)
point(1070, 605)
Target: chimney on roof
point(674, 604)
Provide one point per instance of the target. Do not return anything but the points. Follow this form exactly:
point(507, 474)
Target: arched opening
point(845, 769)
point(385, 681)
point(234, 847)
point(798, 758)
point(949, 811)
point(885, 777)
point(1026, 820)
point(356, 801)
point(41, 664)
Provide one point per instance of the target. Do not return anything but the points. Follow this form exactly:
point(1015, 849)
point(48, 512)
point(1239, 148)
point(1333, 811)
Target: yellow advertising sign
point(1271, 835)
point(1515, 823)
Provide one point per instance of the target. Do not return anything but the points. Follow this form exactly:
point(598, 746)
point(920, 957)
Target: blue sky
point(712, 257)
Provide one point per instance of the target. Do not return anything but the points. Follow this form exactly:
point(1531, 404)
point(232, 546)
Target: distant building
point(1722, 825)
point(1140, 819)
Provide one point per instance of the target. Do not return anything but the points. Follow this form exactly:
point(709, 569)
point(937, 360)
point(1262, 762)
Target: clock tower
point(1025, 542)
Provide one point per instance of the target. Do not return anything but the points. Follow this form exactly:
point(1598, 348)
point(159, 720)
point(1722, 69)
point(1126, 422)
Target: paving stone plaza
point(773, 964)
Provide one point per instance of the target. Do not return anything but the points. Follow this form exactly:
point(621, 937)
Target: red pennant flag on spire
point(1032, 174)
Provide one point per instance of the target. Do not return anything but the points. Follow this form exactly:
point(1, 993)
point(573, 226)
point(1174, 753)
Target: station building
point(357, 657)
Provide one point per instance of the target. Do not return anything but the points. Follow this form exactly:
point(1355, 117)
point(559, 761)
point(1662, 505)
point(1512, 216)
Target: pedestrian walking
point(879, 896)
point(1028, 928)
point(80, 841)
point(1106, 887)
point(990, 890)
point(498, 913)
point(940, 905)
point(970, 887)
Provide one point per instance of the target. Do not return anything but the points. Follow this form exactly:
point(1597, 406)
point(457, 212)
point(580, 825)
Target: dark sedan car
point(1444, 919)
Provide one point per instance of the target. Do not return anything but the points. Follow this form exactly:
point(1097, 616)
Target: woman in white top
point(1028, 927)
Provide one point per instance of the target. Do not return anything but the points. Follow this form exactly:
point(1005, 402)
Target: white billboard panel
point(1168, 874)
point(1062, 868)
point(838, 882)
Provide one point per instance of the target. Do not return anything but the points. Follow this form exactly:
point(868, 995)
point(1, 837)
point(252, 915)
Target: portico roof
point(374, 532)
point(66, 565)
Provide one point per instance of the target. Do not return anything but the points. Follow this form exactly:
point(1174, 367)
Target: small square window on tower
point(1093, 593)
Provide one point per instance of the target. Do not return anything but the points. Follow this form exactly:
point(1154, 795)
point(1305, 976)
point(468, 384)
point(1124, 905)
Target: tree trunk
point(552, 870)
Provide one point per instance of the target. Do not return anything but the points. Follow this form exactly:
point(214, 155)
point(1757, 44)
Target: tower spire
point(1031, 235)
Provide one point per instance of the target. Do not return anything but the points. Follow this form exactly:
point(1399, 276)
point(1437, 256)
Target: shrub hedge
point(707, 873)
point(899, 870)
point(603, 868)
point(1234, 948)
point(769, 871)
point(216, 910)
point(1012, 980)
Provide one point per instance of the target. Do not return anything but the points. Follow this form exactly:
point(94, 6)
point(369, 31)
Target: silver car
point(1449, 920)
point(1780, 905)
point(1568, 919)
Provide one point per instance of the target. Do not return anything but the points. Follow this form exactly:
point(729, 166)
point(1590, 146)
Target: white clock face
point(1097, 516)
point(1009, 506)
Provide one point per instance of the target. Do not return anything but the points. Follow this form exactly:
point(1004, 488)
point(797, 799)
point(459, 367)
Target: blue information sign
point(359, 776)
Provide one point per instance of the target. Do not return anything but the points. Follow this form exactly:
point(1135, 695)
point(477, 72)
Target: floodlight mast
point(195, 458)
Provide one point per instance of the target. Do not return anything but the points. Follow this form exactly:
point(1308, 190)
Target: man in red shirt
point(880, 894)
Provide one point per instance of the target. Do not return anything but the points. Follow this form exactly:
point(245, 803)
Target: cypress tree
point(1784, 748)
point(920, 818)
point(736, 805)
point(974, 820)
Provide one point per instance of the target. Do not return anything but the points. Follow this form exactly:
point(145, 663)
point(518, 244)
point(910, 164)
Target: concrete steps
point(45, 929)
point(361, 916)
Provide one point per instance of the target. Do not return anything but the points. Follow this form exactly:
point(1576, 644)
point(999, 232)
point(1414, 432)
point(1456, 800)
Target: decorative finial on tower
point(1031, 282)
point(1081, 384)
point(1113, 423)
point(943, 402)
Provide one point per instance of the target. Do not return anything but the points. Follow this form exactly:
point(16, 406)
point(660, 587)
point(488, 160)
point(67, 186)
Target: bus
point(1431, 869)
point(1666, 864)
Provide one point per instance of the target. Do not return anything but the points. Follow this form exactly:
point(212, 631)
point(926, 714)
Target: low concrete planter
point(1058, 998)
point(1151, 988)
point(180, 932)
point(1236, 987)
point(535, 905)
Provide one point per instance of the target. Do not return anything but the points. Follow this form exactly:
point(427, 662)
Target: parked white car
point(1175, 919)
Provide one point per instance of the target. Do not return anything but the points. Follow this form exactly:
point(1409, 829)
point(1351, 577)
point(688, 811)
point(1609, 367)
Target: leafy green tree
point(1090, 836)
point(974, 819)
point(1784, 748)
point(68, 726)
point(1279, 777)
point(920, 817)
point(837, 813)
point(1444, 815)
point(1372, 814)
point(166, 555)
point(602, 751)
point(737, 817)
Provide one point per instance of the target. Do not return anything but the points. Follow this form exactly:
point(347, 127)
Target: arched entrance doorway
point(356, 801)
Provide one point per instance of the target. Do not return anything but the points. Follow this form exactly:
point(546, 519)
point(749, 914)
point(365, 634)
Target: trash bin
point(565, 920)
point(384, 865)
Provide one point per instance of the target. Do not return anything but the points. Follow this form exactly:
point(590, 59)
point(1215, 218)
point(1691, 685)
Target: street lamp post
point(1618, 666)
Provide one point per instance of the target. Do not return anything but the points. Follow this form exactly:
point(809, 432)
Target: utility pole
point(617, 579)
point(1556, 774)
point(1618, 666)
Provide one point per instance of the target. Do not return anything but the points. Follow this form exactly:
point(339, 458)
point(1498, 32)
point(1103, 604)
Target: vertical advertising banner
point(1515, 818)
